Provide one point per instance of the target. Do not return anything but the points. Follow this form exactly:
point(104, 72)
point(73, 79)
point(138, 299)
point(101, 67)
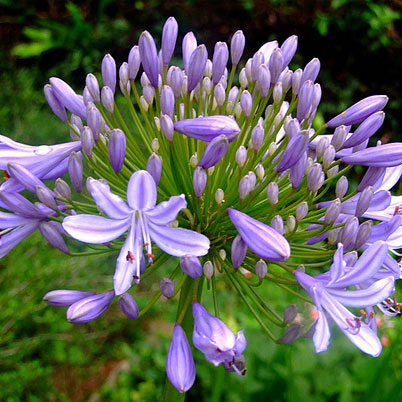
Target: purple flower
point(260, 238)
point(359, 111)
point(65, 298)
point(214, 338)
point(180, 366)
point(89, 308)
point(144, 221)
point(26, 218)
point(387, 155)
point(209, 127)
point(149, 57)
point(329, 294)
point(46, 162)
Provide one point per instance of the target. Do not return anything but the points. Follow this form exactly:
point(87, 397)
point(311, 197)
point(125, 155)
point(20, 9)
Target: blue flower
point(144, 221)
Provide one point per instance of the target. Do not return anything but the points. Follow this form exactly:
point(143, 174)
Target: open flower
point(330, 295)
point(144, 221)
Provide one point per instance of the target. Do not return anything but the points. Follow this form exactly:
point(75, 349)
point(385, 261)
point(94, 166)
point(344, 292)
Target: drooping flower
point(214, 338)
point(144, 221)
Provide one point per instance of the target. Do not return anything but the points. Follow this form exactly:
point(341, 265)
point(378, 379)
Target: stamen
point(397, 208)
point(6, 175)
point(130, 256)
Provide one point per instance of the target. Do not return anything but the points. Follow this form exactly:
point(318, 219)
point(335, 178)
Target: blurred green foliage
point(44, 358)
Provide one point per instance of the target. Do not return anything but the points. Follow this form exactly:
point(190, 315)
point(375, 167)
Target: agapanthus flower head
point(246, 186)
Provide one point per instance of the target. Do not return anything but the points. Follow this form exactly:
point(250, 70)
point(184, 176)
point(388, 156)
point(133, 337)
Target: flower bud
point(46, 197)
point(296, 79)
point(167, 287)
point(301, 211)
point(51, 231)
point(311, 71)
point(256, 61)
point(175, 80)
point(341, 187)
point(108, 73)
point(222, 254)
point(276, 64)
point(296, 147)
point(264, 80)
point(238, 251)
point(237, 47)
point(169, 37)
point(56, 106)
point(288, 49)
point(243, 78)
point(75, 171)
point(359, 111)
point(149, 57)
point(134, 62)
point(291, 223)
point(219, 61)
point(305, 99)
point(363, 234)
point(349, 232)
point(167, 127)
point(290, 313)
point(260, 171)
point(257, 136)
point(208, 269)
point(328, 157)
point(339, 137)
point(65, 298)
point(277, 93)
point(128, 306)
point(155, 145)
point(246, 103)
point(89, 308)
point(191, 266)
point(272, 192)
point(117, 149)
point(296, 173)
point(107, 99)
point(277, 224)
point(261, 269)
point(62, 189)
point(188, 47)
point(241, 156)
point(315, 177)
point(219, 196)
point(167, 101)
point(87, 140)
point(244, 186)
point(149, 94)
point(154, 167)
point(196, 66)
point(180, 366)
point(291, 334)
point(199, 181)
point(219, 93)
point(365, 198)
point(333, 211)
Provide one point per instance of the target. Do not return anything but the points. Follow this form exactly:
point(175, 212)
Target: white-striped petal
point(94, 229)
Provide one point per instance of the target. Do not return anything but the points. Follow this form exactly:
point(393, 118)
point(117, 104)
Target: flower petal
point(111, 204)
point(126, 266)
point(179, 242)
point(10, 240)
point(94, 229)
point(167, 211)
point(371, 296)
point(141, 191)
point(338, 265)
point(366, 266)
point(364, 338)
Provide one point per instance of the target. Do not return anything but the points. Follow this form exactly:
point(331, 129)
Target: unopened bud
point(261, 269)
point(208, 269)
point(291, 334)
point(167, 287)
point(219, 196)
point(290, 313)
point(301, 211)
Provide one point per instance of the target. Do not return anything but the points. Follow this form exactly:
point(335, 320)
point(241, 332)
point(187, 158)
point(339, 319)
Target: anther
point(130, 256)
